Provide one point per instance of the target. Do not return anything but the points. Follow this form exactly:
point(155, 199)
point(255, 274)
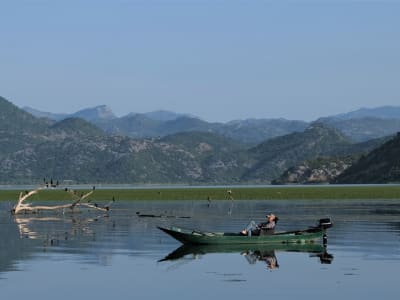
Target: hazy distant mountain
point(164, 115)
point(366, 123)
point(359, 125)
point(244, 131)
point(365, 128)
point(382, 112)
point(43, 114)
point(254, 131)
point(101, 112)
point(162, 123)
point(133, 125)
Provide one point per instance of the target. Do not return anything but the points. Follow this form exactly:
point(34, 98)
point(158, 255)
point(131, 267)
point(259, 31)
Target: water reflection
point(252, 253)
point(52, 229)
point(85, 249)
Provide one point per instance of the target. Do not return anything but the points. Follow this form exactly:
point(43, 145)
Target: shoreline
point(275, 192)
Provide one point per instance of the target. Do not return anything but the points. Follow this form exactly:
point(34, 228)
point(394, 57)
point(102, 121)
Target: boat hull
point(187, 236)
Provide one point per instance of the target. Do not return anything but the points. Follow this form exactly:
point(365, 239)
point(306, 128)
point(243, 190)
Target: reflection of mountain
point(252, 253)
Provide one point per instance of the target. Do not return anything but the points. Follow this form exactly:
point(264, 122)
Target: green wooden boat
point(310, 235)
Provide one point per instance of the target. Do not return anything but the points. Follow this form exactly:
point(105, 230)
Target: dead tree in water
point(22, 207)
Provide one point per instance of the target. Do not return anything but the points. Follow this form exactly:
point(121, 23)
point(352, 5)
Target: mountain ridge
point(74, 149)
point(381, 112)
point(381, 165)
point(359, 125)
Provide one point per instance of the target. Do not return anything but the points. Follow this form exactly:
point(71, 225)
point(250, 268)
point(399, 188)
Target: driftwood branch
point(22, 207)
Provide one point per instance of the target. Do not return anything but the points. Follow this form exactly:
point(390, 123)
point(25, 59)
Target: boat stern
point(325, 223)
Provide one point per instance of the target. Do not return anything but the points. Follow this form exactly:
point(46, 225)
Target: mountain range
point(95, 146)
point(163, 123)
point(360, 125)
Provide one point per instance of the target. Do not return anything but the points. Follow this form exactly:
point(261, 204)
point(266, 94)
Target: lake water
point(121, 255)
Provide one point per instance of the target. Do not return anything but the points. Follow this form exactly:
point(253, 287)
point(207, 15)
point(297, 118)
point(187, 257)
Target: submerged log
point(140, 215)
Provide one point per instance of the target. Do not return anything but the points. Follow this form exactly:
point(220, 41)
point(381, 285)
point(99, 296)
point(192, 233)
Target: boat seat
point(265, 231)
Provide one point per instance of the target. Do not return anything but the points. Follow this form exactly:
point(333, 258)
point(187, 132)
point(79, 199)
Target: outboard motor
point(325, 223)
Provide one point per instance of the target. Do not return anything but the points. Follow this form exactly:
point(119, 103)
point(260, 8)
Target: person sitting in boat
point(263, 228)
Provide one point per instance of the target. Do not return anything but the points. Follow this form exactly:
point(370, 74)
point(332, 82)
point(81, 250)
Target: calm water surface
point(95, 256)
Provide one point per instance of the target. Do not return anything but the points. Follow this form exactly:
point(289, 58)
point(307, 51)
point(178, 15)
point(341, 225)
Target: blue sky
point(219, 60)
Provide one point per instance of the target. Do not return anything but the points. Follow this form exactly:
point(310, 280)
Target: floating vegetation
point(220, 193)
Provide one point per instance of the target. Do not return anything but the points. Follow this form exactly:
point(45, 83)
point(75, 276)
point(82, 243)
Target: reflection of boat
point(309, 235)
point(187, 249)
point(252, 252)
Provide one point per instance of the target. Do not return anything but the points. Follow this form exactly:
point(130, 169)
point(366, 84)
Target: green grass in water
point(238, 193)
